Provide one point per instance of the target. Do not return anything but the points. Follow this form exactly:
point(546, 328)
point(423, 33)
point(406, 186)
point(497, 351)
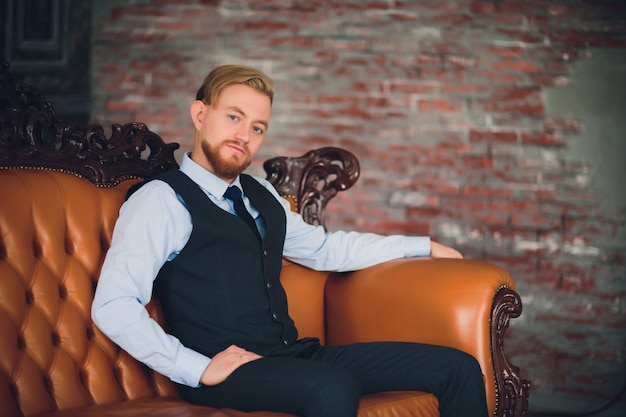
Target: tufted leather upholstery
point(55, 230)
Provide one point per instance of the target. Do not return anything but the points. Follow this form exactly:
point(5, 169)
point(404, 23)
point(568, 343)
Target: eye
point(233, 117)
point(257, 129)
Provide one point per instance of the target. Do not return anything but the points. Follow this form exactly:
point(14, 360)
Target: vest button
point(275, 315)
point(286, 341)
point(264, 252)
point(268, 284)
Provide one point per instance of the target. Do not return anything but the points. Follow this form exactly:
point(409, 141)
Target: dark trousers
point(323, 381)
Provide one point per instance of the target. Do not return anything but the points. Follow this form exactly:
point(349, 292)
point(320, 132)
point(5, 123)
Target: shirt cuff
point(190, 365)
point(416, 246)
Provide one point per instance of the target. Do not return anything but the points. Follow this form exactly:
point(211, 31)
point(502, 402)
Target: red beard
point(226, 168)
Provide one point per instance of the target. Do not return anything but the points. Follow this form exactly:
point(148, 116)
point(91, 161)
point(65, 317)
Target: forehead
point(243, 96)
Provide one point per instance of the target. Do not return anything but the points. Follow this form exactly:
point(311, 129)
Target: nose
point(243, 134)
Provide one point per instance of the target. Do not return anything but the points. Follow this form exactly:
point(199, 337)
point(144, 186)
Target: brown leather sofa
point(62, 186)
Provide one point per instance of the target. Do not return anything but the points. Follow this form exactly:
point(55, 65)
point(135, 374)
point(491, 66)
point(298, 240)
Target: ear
point(197, 111)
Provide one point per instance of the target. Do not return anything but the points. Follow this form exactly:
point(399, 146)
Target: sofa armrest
point(459, 303)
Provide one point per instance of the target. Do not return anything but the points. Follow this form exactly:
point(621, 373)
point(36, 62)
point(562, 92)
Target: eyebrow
point(238, 110)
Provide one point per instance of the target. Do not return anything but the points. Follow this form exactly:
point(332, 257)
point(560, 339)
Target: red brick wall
point(445, 104)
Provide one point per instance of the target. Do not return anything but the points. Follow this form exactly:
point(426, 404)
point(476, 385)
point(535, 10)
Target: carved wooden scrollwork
point(32, 136)
point(312, 179)
point(512, 389)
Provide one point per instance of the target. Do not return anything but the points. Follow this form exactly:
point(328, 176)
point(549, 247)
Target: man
point(230, 340)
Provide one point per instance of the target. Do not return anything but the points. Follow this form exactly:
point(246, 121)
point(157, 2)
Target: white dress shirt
point(154, 226)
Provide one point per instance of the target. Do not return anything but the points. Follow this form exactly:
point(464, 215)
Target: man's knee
point(464, 393)
point(467, 365)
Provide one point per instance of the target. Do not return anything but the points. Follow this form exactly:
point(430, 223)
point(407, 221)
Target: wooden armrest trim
point(512, 390)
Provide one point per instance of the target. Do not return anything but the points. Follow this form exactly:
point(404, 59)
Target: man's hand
point(437, 250)
point(224, 363)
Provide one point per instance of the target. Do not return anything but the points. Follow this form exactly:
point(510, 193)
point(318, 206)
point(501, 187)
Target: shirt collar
point(207, 180)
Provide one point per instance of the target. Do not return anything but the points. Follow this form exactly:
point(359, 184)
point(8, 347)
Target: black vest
point(224, 287)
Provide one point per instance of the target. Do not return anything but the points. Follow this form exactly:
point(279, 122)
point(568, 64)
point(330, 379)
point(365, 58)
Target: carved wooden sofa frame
point(48, 370)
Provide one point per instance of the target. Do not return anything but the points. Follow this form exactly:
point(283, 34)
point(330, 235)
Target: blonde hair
point(225, 75)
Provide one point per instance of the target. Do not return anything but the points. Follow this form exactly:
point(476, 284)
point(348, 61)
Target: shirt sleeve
point(152, 227)
point(341, 251)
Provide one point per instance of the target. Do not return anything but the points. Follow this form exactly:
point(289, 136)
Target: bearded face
point(224, 163)
point(230, 132)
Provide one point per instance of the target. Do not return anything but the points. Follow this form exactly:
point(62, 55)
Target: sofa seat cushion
point(384, 404)
point(399, 404)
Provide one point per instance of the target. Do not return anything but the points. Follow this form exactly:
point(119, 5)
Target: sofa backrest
point(55, 230)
